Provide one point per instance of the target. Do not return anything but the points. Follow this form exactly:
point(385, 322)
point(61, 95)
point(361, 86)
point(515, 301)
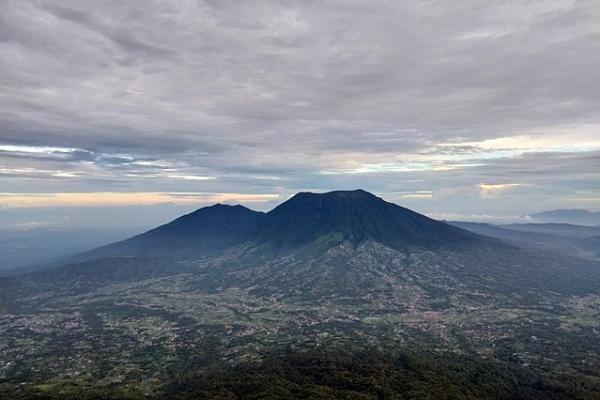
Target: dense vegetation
point(373, 375)
point(291, 374)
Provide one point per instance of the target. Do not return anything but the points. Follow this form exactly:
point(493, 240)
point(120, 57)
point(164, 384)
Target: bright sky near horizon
point(460, 110)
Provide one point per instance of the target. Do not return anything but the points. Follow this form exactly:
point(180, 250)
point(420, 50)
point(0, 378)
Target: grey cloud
point(123, 37)
point(78, 155)
point(247, 92)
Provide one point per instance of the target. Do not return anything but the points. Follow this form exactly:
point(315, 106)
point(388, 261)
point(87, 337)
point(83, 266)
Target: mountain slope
point(205, 231)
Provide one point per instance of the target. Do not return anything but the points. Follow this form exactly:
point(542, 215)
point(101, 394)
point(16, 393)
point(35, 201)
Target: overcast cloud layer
point(451, 108)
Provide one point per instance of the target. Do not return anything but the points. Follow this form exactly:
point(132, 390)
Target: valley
point(133, 326)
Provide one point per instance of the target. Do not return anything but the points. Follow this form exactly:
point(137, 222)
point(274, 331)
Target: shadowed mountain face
point(202, 232)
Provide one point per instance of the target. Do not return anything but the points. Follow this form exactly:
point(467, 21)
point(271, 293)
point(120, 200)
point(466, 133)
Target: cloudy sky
point(130, 111)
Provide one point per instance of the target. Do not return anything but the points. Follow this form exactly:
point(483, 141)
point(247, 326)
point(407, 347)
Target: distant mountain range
point(574, 216)
point(578, 240)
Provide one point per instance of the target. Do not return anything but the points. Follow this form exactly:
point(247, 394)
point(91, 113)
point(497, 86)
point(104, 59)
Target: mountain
point(335, 243)
point(226, 302)
point(325, 219)
point(574, 216)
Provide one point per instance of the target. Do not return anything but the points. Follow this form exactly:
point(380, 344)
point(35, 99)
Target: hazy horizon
point(81, 229)
point(148, 216)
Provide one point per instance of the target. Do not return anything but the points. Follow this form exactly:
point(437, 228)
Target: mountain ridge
point(205, 231)
point(576, 216)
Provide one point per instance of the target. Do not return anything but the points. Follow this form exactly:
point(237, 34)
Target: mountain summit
point(353, 216)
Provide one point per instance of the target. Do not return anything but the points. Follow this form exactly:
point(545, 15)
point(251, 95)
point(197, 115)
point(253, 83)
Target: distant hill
point(574, 240)
point(574, 216)
point(562, 229)
point(508, 234)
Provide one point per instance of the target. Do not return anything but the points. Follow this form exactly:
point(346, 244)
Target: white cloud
point(490, 219)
